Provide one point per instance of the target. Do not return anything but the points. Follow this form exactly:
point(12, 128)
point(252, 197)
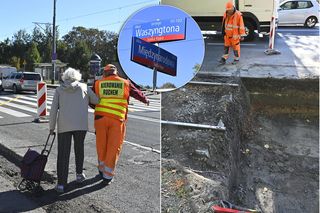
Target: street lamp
point(54, 45)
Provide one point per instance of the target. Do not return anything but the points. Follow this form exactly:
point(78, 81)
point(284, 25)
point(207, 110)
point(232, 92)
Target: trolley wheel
point(30, 186)
point(22, 185)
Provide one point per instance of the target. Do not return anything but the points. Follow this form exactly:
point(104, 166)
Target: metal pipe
point(203, 126)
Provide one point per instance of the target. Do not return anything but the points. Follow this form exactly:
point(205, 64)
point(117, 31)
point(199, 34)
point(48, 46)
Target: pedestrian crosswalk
point(25, 105)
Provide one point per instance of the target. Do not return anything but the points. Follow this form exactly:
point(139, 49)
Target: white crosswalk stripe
point(19, 107)
point(13, 112)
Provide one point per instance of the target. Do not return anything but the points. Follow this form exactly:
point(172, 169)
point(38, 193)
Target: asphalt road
point(136, 186)
point(298, 47)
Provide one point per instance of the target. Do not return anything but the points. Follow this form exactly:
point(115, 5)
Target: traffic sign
point(152, 56)
point(162, 30)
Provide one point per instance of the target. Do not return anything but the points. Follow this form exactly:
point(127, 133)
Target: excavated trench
point(267, 158)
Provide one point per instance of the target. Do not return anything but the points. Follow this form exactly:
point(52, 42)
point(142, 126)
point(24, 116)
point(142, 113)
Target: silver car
point(300, 12)
point(22, 81)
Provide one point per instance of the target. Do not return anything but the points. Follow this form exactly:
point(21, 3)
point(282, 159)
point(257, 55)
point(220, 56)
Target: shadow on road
point(48, 197)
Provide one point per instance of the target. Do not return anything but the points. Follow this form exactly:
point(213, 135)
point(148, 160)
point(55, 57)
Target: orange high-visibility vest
point(113, 92)
point(233, 25)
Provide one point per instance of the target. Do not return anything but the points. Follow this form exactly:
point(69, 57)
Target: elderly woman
point(70, 108)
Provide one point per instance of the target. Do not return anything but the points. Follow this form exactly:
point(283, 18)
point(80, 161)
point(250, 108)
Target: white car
point(297, 13)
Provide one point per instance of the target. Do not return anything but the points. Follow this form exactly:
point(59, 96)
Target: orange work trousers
point(110, 134)
point(234, 44)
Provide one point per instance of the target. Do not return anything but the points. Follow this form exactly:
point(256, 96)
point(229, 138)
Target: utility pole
point(54, 54)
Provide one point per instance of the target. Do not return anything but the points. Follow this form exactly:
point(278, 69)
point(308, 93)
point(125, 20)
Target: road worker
point(233, 31)
point(110, 118)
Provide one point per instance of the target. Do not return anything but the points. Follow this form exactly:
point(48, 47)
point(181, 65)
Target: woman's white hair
point(71, 75)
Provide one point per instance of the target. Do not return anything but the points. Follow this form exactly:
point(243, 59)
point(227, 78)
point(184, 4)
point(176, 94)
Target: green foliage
point(32, 56)
point(74, 48)
point(167, 85)
point(79, 57)
point(16, 61)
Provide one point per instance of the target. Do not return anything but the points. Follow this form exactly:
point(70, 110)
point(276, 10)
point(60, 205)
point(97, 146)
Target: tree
point(167, 85)
point(21, 41)
point(79, 58)
point(102, 42)
point(5, 51)
point(32, 56)
point(16, 62)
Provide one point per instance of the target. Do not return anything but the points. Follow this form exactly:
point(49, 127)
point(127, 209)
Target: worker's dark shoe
point(235, 61)
point(100, 174)
point(80, 178)
point(222, 61)
point(106, 181)
point(59, 188)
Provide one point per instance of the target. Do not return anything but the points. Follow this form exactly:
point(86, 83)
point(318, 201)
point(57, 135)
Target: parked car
point(298, 13)
point(22, 81)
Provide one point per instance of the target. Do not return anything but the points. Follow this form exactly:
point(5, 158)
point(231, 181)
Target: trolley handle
point(45, 150)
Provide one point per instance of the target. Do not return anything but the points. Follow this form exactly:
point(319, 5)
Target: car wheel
point(311, 22)
point(249, 28)
point(14, 89)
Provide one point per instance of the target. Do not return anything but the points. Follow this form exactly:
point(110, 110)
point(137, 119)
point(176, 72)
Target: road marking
point(25, 108)
point(143, 147)
point(28, 100)
point(6, 103)
point(33, 100)
point(20, 101)
point(222, 44)
point(13, 112)
point(144, 108)
point(144, 118)
point(139, 146)
point(297, 30)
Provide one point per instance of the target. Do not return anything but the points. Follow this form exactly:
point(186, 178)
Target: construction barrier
point(41, 102)
point(272, 34)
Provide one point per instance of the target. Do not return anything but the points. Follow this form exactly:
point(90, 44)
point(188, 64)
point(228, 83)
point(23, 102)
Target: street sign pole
point(154, 79)
point(155, 74)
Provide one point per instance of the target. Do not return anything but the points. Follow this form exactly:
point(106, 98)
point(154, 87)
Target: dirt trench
point(266, 159)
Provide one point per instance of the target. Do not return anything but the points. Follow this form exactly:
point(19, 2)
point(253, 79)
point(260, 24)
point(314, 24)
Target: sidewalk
point(133, 189)
point(298, 59)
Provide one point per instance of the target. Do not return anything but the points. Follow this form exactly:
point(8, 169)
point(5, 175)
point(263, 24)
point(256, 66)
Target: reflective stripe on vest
point(112, 98)
point(102, 109)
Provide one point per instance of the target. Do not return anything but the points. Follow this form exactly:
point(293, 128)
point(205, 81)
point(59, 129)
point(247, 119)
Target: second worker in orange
point(233, 31)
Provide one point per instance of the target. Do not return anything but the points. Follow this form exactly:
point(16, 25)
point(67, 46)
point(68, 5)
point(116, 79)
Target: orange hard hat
point(229, 5)
point(110, 68)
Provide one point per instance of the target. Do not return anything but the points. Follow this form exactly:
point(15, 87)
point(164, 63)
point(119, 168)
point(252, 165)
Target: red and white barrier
point(272, 34)
point(41, 101)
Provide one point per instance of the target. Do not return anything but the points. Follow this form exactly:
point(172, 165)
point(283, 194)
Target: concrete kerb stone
point(52, 85)
point(259, 70)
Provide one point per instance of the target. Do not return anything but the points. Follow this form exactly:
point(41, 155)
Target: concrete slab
point(299, 58)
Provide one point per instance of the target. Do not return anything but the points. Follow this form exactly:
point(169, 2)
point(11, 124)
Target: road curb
point(52, 86)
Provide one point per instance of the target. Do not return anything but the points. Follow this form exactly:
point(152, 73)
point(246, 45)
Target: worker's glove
point(148, 102)
point(242, 38)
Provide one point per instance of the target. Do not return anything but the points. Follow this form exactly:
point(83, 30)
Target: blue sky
point(101, 14)
point(189, 51)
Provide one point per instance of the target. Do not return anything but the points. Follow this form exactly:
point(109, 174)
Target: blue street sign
point(152, 56)
point(162, 30)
